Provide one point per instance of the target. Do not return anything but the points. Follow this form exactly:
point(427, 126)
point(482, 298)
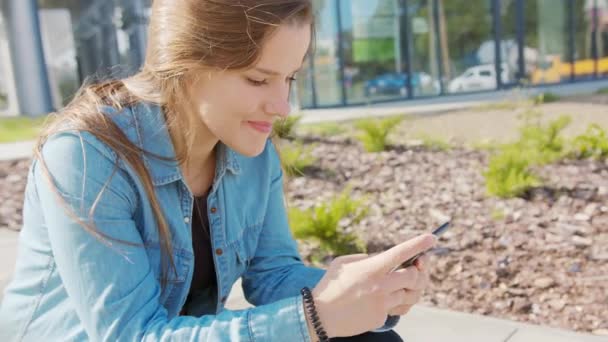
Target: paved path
point(16, 150)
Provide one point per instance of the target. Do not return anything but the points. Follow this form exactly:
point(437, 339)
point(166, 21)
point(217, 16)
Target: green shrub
point(434, 143)
point(296, 157)
point(543, 143)
point(325, 129)
point(509, 174)
point(545, 98)
point(602, 91)
point(284, 128)
point(592, 144)
point(20, 128)
point(322, 224)
point(497, 214)
point(374, 132)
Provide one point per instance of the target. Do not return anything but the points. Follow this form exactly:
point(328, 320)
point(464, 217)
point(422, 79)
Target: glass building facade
point(366, 50)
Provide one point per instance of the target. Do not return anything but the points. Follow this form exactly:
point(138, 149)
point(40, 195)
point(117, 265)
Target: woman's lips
point(260, 126)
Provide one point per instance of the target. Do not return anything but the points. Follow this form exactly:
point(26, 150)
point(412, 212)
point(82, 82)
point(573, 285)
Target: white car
point(481, 77)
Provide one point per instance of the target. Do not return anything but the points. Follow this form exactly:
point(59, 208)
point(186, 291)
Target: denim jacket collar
point(153, 137)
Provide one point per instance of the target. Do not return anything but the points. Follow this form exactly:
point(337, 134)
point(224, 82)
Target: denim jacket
point(68, 285)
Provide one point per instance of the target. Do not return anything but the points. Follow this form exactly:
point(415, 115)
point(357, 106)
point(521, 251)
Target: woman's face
point(238, 107)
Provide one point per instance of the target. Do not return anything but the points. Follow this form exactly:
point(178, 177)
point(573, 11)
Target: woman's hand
point(358, 291)
point(414, 295)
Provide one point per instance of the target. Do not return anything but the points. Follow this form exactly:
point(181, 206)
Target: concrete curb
point(18, 150)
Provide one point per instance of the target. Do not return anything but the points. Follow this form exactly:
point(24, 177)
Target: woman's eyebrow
point(272, 72)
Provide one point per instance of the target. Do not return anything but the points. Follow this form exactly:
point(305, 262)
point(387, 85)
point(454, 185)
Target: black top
point(203, 278)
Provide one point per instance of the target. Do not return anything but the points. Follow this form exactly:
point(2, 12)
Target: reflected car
point(481, 77)
point(390, 83)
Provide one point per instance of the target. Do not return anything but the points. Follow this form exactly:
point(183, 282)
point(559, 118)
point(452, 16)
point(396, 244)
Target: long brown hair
point(185, 36)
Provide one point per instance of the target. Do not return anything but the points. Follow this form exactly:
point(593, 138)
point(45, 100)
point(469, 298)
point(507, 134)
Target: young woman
point(150, 196)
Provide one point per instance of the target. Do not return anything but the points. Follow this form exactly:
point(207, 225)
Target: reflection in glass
point(8, 101)
point(303, 86)
point(468, 46)
point(595, 26)
point(373, 68)
point(92, 38)
point(59, 54)
point(326, 60)
point(547, 35)
point(423, 48)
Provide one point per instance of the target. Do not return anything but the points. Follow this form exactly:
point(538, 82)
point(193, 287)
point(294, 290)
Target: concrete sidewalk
point(17, 150)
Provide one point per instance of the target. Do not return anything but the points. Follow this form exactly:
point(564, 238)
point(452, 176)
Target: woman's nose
point(278, 107)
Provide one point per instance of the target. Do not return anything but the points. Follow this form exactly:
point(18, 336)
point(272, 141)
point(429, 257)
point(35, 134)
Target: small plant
point(485, 145)
point(545, 98)
point(295, 158)
point(497, 214)
point(325, 129)
point(323, 224)
point(284, 128)
point(434, 143)
point(21, 128)
point(592, 144)
point(602, 91)
point(509, 174)
point(501, 105)
point(543, 143)
point(374, 132)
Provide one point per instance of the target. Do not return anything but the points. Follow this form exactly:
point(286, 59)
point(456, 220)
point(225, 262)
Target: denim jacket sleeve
point(277, 271)
point(112, 285)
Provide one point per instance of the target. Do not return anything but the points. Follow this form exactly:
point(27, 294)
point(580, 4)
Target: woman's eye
point(256, 82)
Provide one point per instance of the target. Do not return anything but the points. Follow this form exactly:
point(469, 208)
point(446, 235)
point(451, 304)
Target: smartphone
point(409, 262)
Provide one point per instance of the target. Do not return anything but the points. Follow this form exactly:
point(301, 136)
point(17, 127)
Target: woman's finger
point(409, 278)
point(400, 310)
point(422, 263)
point(386, 261)
point(402, 298)
point(345, 259)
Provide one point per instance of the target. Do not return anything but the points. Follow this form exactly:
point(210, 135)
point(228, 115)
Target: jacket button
point(187, 219)
point(213, 210)
point(219, 251)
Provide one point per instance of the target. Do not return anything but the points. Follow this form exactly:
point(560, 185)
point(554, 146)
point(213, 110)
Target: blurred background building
point(366, 51)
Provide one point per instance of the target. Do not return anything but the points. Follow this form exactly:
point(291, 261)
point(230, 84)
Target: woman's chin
point(251, 150)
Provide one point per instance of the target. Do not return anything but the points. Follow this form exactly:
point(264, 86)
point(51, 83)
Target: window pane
point(467, 45)
point(303, 86)
point(591, 38)
point(423, 48)
point(8, 101)
point(326, 61)
point(59, 53)
point(373, 67)
point(547, 37)
point(91, 38)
